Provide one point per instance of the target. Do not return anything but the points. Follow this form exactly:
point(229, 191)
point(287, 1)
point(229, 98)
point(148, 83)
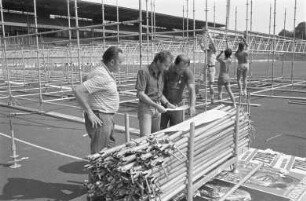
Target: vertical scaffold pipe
point(13, 144)
point(118, 31)
point(214, 14)
point(236, 134)
point(251, 16)
point(23, 68)
point(37, 54)
point(236, 20)
point(154, 26)
point(140, 34)
point(8, 74)
point(194, 38)
point(234, 69)
point(69, 66)
point(228, 6)
point(127, 127)
point(284, 39)
point(69, 32)
point(273, 46)
point(103, 20)
point(251, 50)
point(183, 22)
point(187, 22)
point(247, 19)
point(147, 30)
point(247, 34)
point(190, 162)
point(152, 23)
point(205, 63)
point(269, 45)
point(78, 39)
point(293, 48)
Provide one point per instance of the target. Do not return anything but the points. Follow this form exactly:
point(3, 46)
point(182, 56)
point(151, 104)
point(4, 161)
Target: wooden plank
point(251, 104)
point(201, 118)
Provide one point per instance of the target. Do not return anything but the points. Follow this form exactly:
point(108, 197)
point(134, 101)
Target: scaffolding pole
point(293, 48)
point(5, 56)
point(284, 37)
point(206, 60)
point(183, 30)
point(118, 31)
point(187, 23)
point(140, 34)
point(194, 37)
point(103, 22)
point(273, 46)
point(78, 39)
point(37, 54)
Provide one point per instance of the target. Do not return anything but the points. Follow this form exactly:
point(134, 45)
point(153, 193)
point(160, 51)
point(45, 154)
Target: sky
point(260, 16)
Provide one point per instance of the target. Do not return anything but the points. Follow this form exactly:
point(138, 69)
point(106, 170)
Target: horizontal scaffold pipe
point(74, 28)
point(61, 116)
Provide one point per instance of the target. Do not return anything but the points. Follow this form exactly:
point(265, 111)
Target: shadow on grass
point(30, 189)
point(74, 167)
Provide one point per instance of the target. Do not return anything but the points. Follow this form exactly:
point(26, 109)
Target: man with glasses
point(176, 78)
point(149, 86)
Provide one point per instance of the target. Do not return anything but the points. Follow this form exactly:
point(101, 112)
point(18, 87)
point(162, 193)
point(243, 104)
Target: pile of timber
point(158, 166)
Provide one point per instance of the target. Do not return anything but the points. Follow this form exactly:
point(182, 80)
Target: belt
point(98, 111)
point(211, 66)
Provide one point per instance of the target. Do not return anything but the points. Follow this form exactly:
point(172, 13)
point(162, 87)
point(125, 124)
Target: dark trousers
point(101, 136)
point(172, 118)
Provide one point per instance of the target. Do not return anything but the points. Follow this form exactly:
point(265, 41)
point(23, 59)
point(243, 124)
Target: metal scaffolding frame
point(46, 72)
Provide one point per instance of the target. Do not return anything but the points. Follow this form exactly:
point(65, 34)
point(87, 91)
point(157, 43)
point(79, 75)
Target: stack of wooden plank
point(158, 166)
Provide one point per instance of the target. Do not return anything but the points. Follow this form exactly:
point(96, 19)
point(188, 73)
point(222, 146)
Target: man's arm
point(219, 55)
point(245, 43)
point(146, 99)
point(165, 101)
point(192, 98)
point(82, 95)
point(212, 42)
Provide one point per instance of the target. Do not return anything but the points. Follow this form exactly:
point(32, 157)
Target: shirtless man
point(211, 62)
point(242, 56)
point(224, 78)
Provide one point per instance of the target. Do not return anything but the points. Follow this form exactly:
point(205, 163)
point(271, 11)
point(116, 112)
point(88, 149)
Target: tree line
point(300, 31)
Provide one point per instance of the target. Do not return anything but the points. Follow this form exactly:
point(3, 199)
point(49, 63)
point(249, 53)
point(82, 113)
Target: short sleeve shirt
point(150, 82)
point(175, 83)
point(102, 88)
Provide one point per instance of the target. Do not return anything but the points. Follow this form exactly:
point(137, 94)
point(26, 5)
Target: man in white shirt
point(99, 98)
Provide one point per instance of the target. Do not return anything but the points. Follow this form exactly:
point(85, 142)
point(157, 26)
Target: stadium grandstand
point(19, 19)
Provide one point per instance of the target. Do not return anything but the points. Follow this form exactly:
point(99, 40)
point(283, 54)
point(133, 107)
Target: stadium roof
point(93, 11)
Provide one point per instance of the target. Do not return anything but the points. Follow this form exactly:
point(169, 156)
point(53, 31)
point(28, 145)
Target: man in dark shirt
point(176, 78)
point(149, 85)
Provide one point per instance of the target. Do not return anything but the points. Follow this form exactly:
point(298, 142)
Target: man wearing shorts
point(224, 78)
point(242, 56)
